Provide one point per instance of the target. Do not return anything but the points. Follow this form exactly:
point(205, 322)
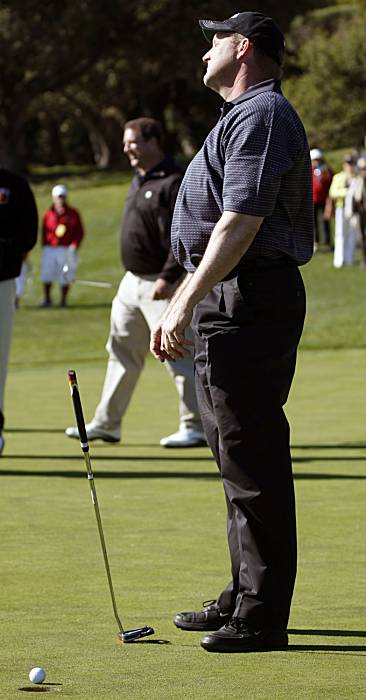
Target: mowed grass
point(163, 511)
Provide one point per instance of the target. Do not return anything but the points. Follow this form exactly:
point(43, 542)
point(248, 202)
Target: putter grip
point(71, 374)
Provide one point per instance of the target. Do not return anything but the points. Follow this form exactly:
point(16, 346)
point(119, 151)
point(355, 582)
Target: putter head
point(133, 635)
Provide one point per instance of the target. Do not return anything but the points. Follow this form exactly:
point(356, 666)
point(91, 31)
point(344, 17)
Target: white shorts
point(59, 264)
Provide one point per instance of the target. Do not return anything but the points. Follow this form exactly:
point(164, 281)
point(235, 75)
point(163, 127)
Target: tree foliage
point(72, 74)
point(328, 83)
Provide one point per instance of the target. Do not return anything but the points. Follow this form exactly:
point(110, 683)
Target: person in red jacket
point(62, 233)
point(322, 178)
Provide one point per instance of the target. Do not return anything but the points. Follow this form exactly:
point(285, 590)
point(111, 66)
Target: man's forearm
point(177, 293)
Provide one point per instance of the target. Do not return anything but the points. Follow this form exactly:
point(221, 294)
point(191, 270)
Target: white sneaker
point(184, 438)
point(94, 433)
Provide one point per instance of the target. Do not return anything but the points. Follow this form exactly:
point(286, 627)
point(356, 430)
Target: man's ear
point(244, 47)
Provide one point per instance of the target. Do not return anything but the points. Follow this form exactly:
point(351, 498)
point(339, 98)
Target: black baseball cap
point(262, 31)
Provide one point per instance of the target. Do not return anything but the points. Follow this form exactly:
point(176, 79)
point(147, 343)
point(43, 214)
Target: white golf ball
point(37, 675)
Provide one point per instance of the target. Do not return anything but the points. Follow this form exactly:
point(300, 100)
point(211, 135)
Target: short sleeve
point(257, 156)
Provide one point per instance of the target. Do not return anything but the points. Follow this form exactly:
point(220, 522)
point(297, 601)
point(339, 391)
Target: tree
point(94, 63)
point(330, 67)
point(43, 54)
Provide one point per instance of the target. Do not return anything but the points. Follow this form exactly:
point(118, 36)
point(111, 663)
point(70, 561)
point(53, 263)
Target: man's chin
point(209, 81)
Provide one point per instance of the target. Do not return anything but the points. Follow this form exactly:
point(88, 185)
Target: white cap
point(59, 191)
point(316, 154)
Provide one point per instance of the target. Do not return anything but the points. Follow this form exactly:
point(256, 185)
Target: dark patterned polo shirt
point(254, 161)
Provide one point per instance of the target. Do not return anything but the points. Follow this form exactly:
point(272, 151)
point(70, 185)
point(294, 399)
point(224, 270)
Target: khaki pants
point(133, 315)
point(7, 309)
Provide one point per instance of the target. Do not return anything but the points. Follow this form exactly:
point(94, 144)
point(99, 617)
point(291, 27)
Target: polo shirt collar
point(271, 85)
point(158, 171)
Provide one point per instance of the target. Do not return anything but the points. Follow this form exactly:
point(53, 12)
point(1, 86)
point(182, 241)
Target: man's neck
point(243, 82)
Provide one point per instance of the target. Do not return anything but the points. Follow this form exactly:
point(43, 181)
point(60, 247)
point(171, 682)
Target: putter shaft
point(85, 448)
point(102, 540)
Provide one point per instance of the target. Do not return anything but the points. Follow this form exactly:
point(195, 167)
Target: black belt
point(262, 263)
point(267, 262)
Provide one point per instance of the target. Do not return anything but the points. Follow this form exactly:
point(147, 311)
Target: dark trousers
point(322, 226)
point(247, 332)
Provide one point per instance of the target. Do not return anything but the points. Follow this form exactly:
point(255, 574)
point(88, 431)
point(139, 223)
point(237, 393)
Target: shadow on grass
point(34, 430)
point(46, 688)
point(326, 647)
point(174, 457)
point(330, 648)
point(150, 474)
point(346, 648)
point(111, 475)
point(71, 307)
point(329, 446)
point(329, 633)
point(336, 446)
point(152, 641)
point(112, 458)
point(342, 458)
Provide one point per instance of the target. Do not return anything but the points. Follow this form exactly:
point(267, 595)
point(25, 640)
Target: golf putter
point(123, 635)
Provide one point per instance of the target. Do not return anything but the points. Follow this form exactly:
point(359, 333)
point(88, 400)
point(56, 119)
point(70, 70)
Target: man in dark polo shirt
point(152, 275)
point(242, 225)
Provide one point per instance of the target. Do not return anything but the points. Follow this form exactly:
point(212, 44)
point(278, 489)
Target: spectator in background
point(361, 164)
point(344, 238)
point(355, 207)
point(322, 178)
point(151, 278)
point(62, 233)
point(18, 235)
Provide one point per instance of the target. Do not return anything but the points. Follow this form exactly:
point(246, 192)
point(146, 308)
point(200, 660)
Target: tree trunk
point(12, 146)
point(100, 148)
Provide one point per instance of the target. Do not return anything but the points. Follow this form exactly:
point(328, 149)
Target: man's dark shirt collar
point(161, 169)
point(271, 85)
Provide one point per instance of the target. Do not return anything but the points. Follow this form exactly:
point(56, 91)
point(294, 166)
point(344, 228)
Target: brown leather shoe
point(236, 637)
point(210, 618)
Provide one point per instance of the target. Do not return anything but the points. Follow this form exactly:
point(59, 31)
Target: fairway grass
point(164, 519)
point(163, 511)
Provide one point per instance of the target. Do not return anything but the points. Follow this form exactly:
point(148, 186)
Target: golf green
point(163, 511)
point(164, 520)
